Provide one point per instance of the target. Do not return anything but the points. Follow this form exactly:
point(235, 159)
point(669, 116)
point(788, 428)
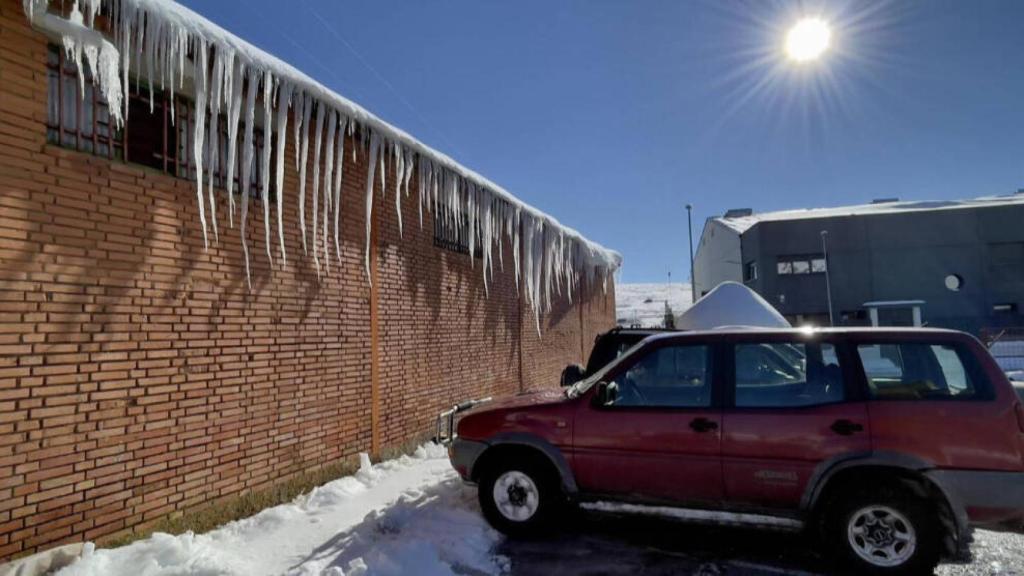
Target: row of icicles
point(228, 83)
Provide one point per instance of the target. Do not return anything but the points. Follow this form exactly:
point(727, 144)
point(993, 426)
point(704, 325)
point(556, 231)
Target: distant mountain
point(644, 304)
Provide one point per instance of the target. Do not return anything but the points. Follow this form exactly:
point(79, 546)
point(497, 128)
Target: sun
point(808, 39)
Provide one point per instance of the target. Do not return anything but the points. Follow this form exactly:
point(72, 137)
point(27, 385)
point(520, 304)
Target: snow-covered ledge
point(164, 35)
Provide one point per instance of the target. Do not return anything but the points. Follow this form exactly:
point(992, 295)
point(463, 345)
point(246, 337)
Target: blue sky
point(613, 115)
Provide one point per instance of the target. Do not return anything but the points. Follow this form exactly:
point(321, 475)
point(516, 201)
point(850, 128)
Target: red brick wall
point(139, 376)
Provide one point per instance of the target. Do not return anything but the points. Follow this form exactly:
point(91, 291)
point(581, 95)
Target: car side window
point(915, 371)
point(669, 376)
point(787, 374)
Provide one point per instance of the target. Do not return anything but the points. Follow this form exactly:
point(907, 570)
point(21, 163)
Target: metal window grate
point(77, 116)
point(157, 139)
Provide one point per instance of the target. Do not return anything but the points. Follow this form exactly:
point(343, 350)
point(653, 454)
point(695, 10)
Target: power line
point(379, 76)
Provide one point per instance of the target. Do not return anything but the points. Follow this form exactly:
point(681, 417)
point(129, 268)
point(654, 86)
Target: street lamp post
point(828, 279)
point(689, 228)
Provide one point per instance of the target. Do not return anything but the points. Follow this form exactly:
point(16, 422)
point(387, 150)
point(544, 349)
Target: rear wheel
point(884, 531)
point(519, 498)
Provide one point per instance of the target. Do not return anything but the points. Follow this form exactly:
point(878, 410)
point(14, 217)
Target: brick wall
point(139, 376)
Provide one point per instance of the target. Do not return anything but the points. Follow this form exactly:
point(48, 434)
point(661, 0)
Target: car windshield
point(585, 384)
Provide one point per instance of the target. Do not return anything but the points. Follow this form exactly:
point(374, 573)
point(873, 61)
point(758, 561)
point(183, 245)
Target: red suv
point(888, 443)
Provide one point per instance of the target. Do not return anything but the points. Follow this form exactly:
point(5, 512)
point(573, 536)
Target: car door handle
point(846, 427)
point(703, 425)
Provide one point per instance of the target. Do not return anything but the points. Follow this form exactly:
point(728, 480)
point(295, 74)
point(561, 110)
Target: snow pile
point(163, 43)
point(643, 305)
point(731, 304)
point(406, 516)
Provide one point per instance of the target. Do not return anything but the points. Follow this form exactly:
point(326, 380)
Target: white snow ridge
point(159, 37)
point(411, 515)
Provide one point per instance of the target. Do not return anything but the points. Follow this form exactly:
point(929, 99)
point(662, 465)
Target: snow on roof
point(743, 223)
point(644, 304)
point(165, 36)
point(731, 304)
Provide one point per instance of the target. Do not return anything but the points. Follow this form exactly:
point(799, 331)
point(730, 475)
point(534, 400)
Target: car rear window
point(916, 371)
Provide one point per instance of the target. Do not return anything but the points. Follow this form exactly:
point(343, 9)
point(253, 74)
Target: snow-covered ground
point(414, 516)
point(644, 304)
point(406, 516)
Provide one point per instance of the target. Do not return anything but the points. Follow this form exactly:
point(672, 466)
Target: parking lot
point(595, 544)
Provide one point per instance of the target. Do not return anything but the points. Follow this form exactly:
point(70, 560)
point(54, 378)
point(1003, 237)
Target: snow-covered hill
point(644, 304)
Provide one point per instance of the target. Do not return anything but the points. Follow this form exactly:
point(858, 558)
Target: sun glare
point(808, 39)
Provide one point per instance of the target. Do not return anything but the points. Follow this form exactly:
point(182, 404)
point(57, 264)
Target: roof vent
point(885, 200)
point(739, 212)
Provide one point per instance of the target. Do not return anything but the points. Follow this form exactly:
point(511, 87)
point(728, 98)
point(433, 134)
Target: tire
point(520, 498)
point(886, 530)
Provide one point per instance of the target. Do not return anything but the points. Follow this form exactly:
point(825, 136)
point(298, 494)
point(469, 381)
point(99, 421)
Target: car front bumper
point(463, 455)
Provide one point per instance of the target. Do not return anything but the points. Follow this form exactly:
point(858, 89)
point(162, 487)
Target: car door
point(930, 397)
point(789, 406)
point(659, 438)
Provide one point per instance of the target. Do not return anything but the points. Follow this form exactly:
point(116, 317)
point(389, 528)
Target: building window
point(750, 271)
point(1004, 308)
point(76, 119)
point(454, 236)
point(815, 264)
point(155, 139)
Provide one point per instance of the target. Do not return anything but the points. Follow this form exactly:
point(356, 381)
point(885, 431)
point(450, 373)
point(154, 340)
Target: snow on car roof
point(743, 223)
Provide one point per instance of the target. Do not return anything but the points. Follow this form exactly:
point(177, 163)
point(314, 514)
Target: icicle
point(216, 96)
point(200, 126)
point(515, 239)
point(338, 170)
point(383, 168)
point(284, 94)
point(556, 261)
point(421, 186)
point(92, 7)
point(125, 31)
point(318, 134)
point(374, 150)
point(268, 118)
point(298, 111)
point(471, 199)
point(234, 111)
point(247, 154)
point(307, 109)
point(101, 56)
point(399, 179)
point(332, 127)
point(486, 241)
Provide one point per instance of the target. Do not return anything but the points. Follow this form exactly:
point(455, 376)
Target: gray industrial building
point(954, 264)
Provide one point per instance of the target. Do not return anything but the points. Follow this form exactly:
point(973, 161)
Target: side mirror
point(572, 374)
point(607, 393)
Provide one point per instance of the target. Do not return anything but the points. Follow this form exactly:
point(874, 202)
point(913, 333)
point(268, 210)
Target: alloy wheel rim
point(516, 496)
point(881, 536)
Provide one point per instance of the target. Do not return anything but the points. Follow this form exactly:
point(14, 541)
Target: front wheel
point(885, 531)
point(518, 498)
